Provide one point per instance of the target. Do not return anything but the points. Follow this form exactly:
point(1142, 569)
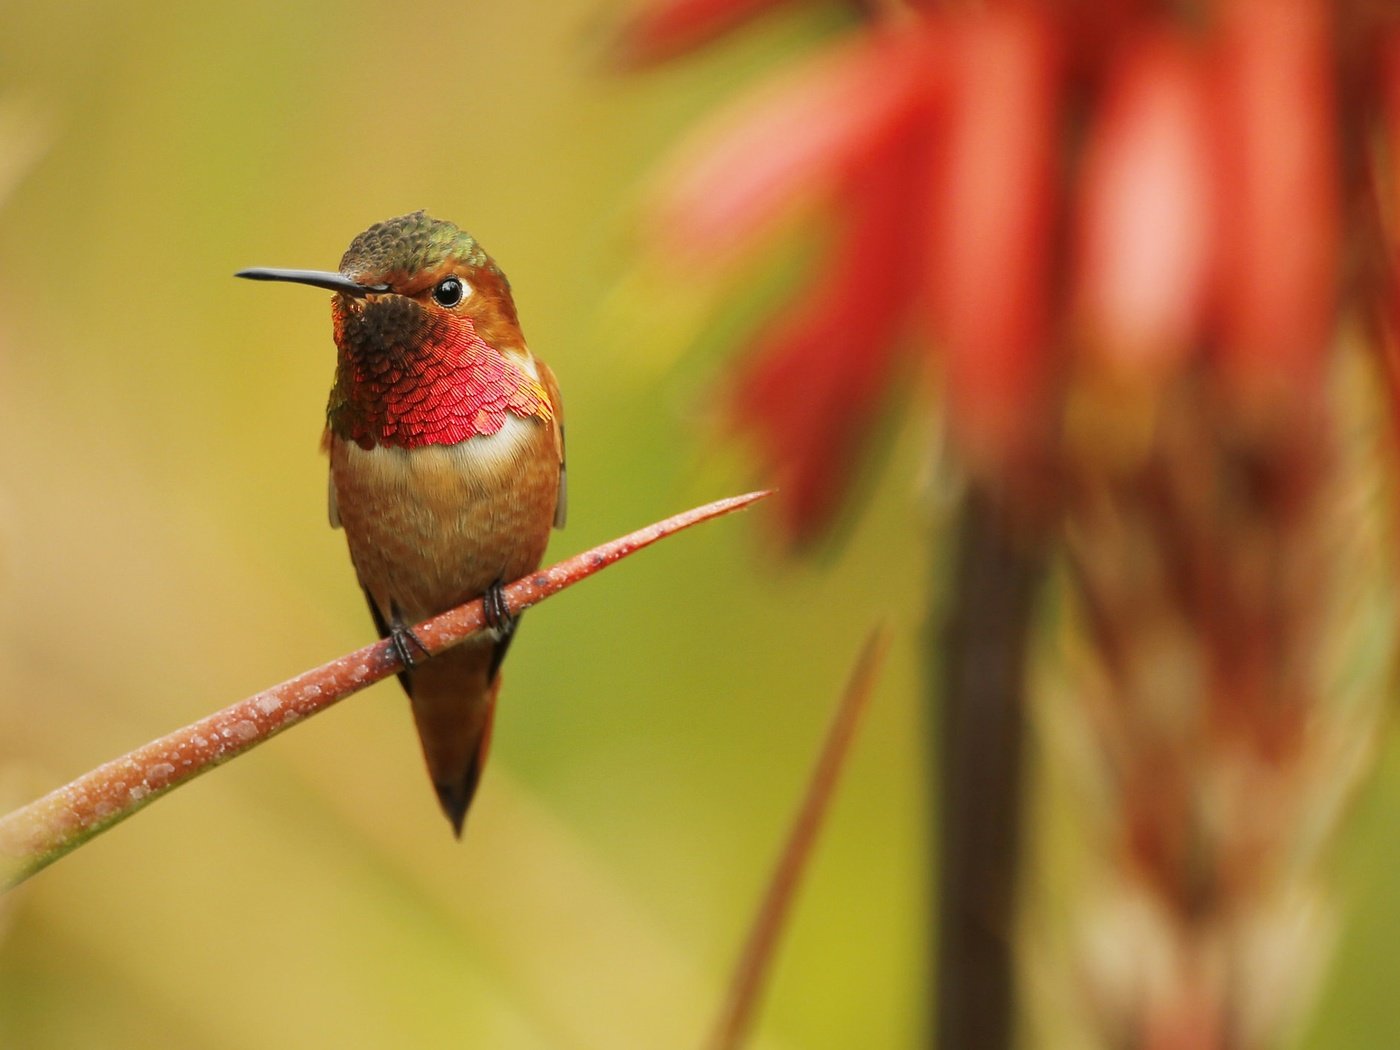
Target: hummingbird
point(446, 443)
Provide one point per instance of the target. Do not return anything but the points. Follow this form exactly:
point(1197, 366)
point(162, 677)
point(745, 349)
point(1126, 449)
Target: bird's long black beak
point(335, 282)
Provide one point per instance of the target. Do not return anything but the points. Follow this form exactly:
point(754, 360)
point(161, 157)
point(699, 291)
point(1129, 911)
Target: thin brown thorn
point(751, 974)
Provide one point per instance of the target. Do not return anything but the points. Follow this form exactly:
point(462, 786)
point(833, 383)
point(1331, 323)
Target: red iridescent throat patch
point(407, 379)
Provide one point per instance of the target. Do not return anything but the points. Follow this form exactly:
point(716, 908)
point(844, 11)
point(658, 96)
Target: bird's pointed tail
point(454, 705)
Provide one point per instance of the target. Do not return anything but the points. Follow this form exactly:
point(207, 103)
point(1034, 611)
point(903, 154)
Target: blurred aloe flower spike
point(1129, 238)
point(820, 368)
point(850, 127)
point(933, 143)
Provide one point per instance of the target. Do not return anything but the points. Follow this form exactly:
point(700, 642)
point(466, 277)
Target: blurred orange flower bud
point(789, 144)
point(1280, 219)
point(993, 231)
point(1390, 130)
point(1144, 248)
point(812, 385)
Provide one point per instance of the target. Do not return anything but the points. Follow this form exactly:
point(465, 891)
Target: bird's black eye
point(449, 292)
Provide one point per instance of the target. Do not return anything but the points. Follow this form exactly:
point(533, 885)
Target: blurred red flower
point(1124, 235)
point(1043, 197)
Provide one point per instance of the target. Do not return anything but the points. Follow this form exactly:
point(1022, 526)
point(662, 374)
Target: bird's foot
point(497, 610)
point(404, 641)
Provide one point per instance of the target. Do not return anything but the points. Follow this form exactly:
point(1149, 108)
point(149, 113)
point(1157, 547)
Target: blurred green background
point(164, 550)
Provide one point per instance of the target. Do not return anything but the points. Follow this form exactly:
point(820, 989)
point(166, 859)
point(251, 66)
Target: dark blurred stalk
point(977, 682)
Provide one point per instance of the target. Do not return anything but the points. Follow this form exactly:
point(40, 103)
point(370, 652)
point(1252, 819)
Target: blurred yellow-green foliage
point(164, 550)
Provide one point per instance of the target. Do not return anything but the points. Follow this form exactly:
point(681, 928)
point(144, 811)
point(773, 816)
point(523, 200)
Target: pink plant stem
point(34, 836)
